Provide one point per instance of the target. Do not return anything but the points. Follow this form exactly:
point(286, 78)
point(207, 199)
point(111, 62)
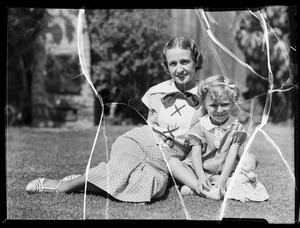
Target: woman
point(137, 170)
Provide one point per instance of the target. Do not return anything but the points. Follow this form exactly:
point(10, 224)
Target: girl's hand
point(203, 184)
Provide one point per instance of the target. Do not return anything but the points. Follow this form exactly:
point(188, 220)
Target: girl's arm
point(196, 156)
point(228, 166)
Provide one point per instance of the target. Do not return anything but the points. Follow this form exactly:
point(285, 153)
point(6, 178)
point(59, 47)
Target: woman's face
point(182, 67)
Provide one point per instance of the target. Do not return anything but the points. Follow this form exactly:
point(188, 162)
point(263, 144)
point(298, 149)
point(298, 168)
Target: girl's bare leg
point(183, 173)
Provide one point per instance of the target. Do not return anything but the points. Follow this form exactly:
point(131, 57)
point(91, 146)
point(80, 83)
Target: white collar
point(206, 123)
point(169, 87)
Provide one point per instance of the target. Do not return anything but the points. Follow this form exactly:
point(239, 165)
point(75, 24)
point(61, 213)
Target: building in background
point(60, 93)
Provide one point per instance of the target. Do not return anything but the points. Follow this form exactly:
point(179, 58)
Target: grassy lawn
point(55, 153)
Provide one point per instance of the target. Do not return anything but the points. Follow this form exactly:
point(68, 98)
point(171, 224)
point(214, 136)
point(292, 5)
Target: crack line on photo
point(86, 74)
point(267, 106)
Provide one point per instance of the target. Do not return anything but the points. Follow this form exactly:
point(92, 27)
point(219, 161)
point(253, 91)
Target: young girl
point(215, 141)
point(137, 170)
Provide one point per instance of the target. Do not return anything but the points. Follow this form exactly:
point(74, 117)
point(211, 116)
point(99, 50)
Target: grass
point(55, 153)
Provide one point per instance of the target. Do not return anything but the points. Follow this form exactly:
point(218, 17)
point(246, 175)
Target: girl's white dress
point(250, 191)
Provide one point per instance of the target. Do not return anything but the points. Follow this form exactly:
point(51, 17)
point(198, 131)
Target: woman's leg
point(183, 173)
point(69, 186)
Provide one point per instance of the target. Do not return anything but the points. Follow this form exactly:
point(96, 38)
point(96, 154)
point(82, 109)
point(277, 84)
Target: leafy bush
point(125, 52)
point(249, 35)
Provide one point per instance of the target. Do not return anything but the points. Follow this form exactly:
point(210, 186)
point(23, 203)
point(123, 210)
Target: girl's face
point(218, 110)
point(182, 67)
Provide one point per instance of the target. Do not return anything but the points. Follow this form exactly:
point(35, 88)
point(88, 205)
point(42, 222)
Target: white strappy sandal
point(37, 186)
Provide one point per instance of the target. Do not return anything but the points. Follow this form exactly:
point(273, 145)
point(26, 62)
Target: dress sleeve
point(240, 135)
point(153, 103)
point(146, 100)
point(152, 100)
point(194, 136)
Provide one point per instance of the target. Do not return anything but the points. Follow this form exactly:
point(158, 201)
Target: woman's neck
point(185, 87)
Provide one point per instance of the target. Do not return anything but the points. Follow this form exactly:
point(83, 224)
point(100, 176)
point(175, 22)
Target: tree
point(125, 52)
point(249, 36)
point(23, 43)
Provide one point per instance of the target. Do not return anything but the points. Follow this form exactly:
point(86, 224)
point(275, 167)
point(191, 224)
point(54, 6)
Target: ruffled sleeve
point(194, 136)
point(240, 135)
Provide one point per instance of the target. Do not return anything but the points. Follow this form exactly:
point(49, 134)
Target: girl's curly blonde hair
point(216, 86)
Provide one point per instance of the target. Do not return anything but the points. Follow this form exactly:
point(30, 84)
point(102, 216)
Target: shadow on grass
point(105, 195)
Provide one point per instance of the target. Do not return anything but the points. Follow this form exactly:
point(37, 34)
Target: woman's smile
point(182, 76)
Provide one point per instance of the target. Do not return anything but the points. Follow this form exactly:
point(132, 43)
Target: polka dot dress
point(136, 171)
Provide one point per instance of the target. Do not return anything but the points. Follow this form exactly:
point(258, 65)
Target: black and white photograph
point(139, 114)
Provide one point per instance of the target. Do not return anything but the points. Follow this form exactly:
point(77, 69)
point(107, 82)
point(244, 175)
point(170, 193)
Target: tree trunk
point(39, 111)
